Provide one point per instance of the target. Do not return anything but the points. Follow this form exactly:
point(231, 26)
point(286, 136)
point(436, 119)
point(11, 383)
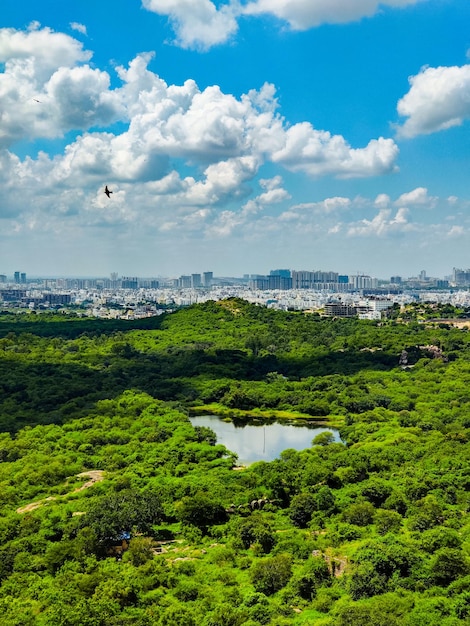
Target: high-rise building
point(16, 278)
point(274, 281)
point(460, 277)
point(314, 280)
point(283, 273)
point(302, 279)
point(196, 281)
point(207, 279)
point(260, 283)
point(57, 298)
point(361, 281)
point(184, 282)
point(129, 282)
point(325, 277)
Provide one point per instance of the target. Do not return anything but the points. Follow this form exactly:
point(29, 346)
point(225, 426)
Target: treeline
point(67, 324)
point(170, 532)
point(241, 356)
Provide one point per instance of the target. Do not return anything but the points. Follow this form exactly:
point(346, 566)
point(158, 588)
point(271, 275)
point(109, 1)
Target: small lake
point(261, 441)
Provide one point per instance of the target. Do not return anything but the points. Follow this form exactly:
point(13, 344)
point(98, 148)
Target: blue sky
point(237, 136)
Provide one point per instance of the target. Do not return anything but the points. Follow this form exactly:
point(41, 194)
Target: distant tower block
point(207, 279)
point(195, 281)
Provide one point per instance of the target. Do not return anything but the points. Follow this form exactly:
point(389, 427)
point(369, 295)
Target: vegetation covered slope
point(374, 530)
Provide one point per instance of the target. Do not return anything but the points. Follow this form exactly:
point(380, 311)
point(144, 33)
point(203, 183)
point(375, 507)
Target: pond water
point(261, 441)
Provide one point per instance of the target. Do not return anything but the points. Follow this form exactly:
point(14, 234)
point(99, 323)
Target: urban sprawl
point(332, 294)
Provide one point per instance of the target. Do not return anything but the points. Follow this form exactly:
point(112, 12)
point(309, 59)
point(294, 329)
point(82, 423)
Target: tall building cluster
point(19, 278)
point(319, 280)
point(461, 277)
point(277, 279)
point(194, 281)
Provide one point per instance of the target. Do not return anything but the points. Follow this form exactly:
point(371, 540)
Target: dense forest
point(116, 510)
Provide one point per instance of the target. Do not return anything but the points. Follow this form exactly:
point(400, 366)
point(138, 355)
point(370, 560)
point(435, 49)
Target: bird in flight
point(107, 191)
point(36, 100)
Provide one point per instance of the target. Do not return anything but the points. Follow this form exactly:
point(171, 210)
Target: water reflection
point(261, 441)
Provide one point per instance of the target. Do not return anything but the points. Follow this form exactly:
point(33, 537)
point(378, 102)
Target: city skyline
point(237, 135)
point(204, 278)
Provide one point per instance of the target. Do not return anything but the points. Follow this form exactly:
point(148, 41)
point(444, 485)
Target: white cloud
point(80, 28)
point(304, 14)
point(369, 217)
point(274, 194)
point(211, 126)
point(318, 153)
point(439, 98)
point(44, 92)
point(38, 52)
point(456, 231)
point(164, 121)
point(226, 223)
point(382, 225)
point(270, 183)
point(335, 230)
point(382, 201)
point(332, 205)
point(222, 179)
point(183, 159)
point(327, 206)
point(198, 24)
point(81, 99)
point(417, 197)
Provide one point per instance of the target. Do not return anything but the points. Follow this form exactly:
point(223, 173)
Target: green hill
point(116, 510)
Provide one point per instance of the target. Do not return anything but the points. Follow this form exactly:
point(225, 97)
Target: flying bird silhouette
point(107, 191)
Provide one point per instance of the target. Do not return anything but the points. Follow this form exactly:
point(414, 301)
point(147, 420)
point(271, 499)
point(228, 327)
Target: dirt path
point(95, 476)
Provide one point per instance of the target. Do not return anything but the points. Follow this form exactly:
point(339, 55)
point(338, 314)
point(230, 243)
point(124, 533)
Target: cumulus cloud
point(165, 122)
point(417, 197)
point(318, 153)
point(198, 24)
point(181, 158)
point(210, 125)
point(382, 201)
point(327, 206)
point(222, 179)
point(46, 91)
point(382, 225)
point(38, 52)
point(380, 217)
point(439, 98)
point(274, 193)
point(225, 224)
point(81, 99)
point(80, 28)
point(456, 231)
point(304, 14)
